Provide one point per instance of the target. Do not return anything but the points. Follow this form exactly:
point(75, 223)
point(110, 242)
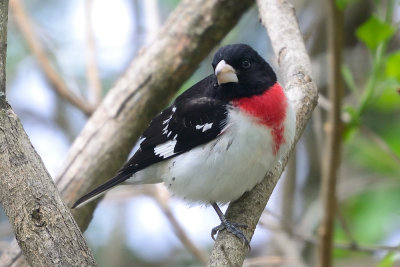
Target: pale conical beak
point(225, 73)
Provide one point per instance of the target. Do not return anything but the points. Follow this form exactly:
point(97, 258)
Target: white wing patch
point(166, 149)
point(204, 127)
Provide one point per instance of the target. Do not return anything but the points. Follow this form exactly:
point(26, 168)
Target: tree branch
point(279, 19)
point(331, 162)
point(42, 223)
point(3, 49)
point(152, 79)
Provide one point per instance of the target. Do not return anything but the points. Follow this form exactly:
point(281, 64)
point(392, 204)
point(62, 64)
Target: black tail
point(119, 178)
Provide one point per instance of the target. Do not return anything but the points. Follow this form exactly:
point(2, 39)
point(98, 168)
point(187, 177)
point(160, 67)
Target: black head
point(241, 72)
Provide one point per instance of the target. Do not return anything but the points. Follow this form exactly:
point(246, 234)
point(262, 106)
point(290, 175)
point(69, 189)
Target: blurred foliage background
point(129, 228)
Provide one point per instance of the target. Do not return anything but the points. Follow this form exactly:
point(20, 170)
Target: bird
point(218, 139)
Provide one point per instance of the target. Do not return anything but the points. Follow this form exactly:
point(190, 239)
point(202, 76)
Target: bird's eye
point(246, 64)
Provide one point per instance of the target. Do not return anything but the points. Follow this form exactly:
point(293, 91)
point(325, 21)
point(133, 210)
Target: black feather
point(204, 104)
point(178, 122)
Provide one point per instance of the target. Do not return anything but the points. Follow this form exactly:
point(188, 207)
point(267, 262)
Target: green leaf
point(393, 66)
point(374, 32)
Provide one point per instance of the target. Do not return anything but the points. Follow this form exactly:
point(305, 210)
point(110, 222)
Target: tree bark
point(45, 229)
point(42, 223)
point(3, 48)
point(279, 19)
point(148, 85)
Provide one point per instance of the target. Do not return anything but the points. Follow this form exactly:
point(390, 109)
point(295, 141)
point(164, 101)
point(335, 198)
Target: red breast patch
point(269, 109)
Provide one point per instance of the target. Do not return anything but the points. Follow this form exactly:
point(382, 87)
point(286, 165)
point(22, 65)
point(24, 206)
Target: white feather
point(204, 127)
point(166, 149)
point(223, 169)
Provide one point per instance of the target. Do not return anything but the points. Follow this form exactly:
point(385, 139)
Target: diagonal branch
point(42, 223)
point(25, 25)
point(279, 19)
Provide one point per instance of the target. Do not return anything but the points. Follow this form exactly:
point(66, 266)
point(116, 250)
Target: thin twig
point(325, 104)
point(289, 189)
point(291, 230)
point(92, 71)
point(331, 162)
point(289, 248)
point(344, 224)
point(162, 198)
point(317, 130)
point(380, 142)
point(25, 25)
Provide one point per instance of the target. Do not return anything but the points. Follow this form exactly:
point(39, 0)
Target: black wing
point(179, 129)
point(195, 118)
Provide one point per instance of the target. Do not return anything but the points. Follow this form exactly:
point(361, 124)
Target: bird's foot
point(232, 228)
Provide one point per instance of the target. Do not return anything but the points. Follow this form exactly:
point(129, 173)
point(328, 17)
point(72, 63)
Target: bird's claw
point(232, 228)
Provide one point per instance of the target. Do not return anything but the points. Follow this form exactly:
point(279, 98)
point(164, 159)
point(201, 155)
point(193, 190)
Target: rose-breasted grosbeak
point(218, 139)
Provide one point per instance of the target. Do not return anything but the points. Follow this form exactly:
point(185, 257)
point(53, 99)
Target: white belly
point(223, 169)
